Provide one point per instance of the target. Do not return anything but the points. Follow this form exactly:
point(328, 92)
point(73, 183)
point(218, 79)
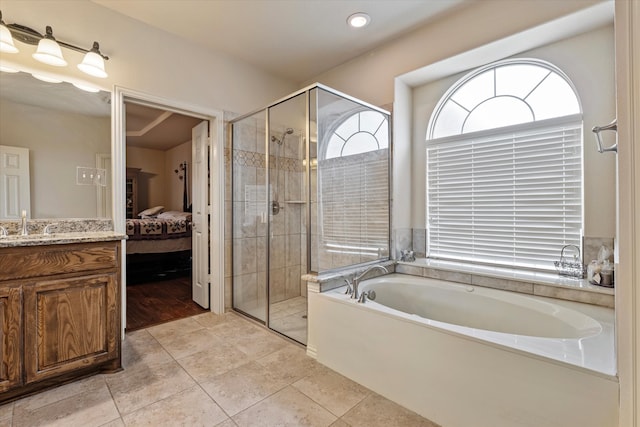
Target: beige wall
point(174, 185)
point(370, 76)
point(152, 177)
point(588, 61)
point(58, 142)
point(145, 59)
point(158, 184)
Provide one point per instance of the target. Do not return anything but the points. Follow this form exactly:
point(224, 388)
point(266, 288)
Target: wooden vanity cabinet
point(60, 307)
point(10, 337)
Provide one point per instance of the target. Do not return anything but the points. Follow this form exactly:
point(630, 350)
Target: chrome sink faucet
point(47, 229)
point(24, 230)
point(356, 280)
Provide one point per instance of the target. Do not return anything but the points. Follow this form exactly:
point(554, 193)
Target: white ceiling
point(157, 129)
point(293, 39)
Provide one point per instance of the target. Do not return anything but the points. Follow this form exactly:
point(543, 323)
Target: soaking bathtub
point(464, 355)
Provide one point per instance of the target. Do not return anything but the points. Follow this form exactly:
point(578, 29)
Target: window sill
point(534, 283)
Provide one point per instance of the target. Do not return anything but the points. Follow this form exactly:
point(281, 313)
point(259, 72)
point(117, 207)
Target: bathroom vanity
point(60, 309)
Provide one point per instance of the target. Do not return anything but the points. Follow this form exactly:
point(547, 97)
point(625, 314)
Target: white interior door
point(15, 190)
point(200, 213)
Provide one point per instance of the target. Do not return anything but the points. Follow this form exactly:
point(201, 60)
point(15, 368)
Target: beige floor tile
point(257, 343)
point(191, 342)
point(290, 363)
point(114, 423)
point(6, 411)
point(87, 409)
point(6, 422)
point(334, 392)
point(210, 320)
point(288, 407)
point(134, 389)
point(227, 423)
point(205, 365)
point(170, 330)
point(340, 423)
point(242, 387)
point(80, 387)
point(140, 347)
point(235, 326)
point(192, 407)
point(376, 411)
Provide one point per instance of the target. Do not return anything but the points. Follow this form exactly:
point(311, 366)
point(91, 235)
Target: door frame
point(627, 296)
point(216, 196)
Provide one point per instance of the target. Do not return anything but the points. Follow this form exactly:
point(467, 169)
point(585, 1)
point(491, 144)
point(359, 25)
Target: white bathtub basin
point(482, 308)
point(470, 356)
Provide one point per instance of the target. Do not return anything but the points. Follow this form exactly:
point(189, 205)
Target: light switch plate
point(84, 176)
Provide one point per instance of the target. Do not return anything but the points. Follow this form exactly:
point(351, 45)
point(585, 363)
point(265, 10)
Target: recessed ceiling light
point(359, 20)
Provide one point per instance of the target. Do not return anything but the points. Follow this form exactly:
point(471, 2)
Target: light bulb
point(6, 40)
point(49, 51)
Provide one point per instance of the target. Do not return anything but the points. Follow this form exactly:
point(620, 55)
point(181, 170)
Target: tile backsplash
point(415, 239)
point(591, 246)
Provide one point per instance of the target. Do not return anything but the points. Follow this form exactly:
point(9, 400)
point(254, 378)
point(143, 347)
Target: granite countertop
point(63, 231)
point(60, 238)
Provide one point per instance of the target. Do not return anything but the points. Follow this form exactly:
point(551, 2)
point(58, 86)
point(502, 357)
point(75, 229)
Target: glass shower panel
point(287, 247)
point(352, 223)
point(249, 216)
point(312, 182)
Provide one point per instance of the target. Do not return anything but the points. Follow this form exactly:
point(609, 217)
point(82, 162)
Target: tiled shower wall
point(246, 216)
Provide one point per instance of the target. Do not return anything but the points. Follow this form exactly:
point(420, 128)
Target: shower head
point(289, 131)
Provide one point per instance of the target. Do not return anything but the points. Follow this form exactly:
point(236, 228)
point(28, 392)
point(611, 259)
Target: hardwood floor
point(158, 302)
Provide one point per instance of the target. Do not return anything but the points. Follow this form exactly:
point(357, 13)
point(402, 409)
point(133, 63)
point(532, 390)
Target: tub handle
point(349, 289)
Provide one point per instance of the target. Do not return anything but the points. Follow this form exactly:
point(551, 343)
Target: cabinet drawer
point(38, 261)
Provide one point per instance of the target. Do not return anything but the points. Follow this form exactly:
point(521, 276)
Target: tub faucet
point(356, 280)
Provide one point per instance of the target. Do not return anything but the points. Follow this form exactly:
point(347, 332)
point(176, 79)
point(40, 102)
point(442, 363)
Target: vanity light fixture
point(7, 69)
point(49, 49)
point(86, 88)
point(358, 20)
point(46, 78)
point(93, 62)
point(6, 41)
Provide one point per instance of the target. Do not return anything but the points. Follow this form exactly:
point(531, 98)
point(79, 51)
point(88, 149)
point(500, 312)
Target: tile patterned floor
point(211, 370)
point(289, 317)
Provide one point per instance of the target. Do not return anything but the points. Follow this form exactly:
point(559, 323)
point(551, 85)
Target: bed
point(158, 246)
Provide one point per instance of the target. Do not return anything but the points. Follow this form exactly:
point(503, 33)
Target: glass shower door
point(288, 207)
point(249, 216)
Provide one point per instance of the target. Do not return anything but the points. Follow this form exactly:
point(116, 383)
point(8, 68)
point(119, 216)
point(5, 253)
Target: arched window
point(353, 189)
point(504, 167)
point(359, 133)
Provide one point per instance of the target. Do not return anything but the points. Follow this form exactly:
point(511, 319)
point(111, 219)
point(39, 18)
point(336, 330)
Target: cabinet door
point(10, 335)
point(70, 324)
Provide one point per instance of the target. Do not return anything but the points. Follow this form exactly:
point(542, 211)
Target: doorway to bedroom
point(164, 181)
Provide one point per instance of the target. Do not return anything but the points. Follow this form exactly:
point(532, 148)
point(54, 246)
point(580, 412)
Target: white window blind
point(510, 196)
point(354, 203)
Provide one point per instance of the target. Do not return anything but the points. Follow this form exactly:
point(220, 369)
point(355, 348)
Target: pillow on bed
point(151, 212)
point(175, 215)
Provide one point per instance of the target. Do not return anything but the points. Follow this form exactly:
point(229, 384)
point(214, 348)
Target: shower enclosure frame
point(266, 111)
